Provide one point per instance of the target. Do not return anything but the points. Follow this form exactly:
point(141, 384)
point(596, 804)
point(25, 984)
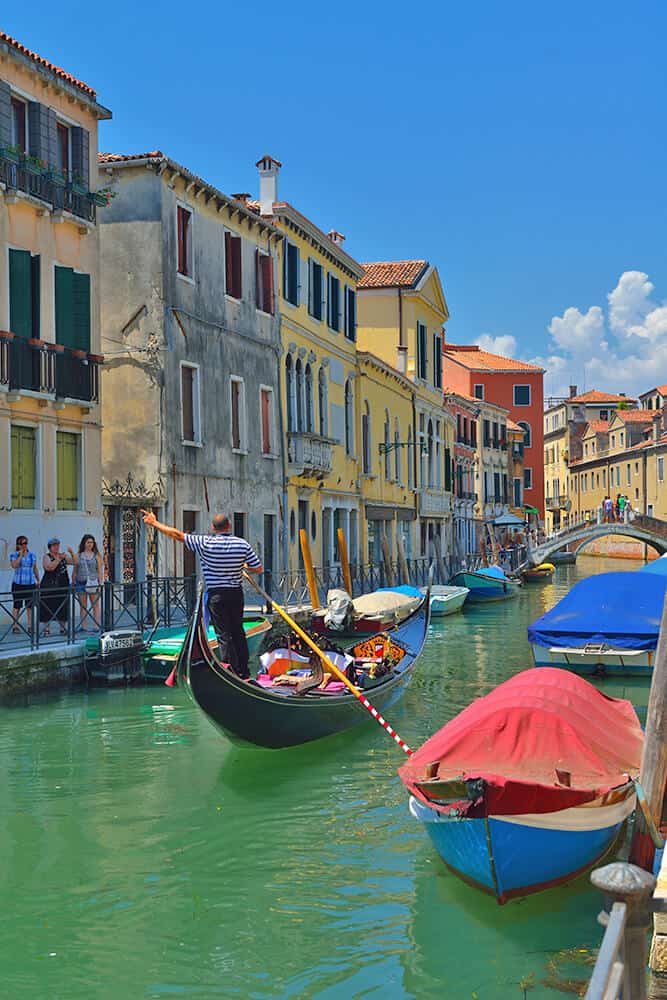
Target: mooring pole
point(628, 884)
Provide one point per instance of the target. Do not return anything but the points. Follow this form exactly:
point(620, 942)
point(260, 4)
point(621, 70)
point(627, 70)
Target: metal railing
point(40, 184)
point(41, 366)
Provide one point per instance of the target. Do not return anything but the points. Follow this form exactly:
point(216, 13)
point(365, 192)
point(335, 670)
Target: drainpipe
point(283, 439)
point(400, 318)
point(173, 493)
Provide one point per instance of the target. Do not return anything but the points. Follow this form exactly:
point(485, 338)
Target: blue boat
point(608, 624)
point(529, 786)
point(488, 584)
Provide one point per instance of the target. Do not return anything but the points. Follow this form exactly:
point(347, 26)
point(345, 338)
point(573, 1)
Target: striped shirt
point(24, 574)
point(222, 558)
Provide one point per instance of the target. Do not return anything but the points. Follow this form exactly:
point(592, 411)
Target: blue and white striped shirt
point(222, 558)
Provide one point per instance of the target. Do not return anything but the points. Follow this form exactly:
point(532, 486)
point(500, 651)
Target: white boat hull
point(595, 660)
point(447, 600)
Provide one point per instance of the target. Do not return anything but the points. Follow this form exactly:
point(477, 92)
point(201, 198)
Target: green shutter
point(35, 294)
point(20, 293)
point(81, 310)
point(67, 453)
point(64, 324)
point(24, 471)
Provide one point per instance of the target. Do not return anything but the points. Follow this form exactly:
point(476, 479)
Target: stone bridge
point(643, 529)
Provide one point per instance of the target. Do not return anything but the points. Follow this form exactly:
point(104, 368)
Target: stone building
point(50, 426)
point(192, 418)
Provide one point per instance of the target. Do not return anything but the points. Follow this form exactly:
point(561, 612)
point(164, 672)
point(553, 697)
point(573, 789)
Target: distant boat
point(446, 600)
point(530, 785)
point(368, 614)
point(607, 624)
point(542, 572)
point(488, 584)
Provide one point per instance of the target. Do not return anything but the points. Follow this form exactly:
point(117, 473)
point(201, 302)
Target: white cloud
point(576, 332)
point(630, 301)
point(505, 344)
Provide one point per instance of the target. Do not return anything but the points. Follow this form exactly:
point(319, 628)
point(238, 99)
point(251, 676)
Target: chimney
point(402, 360)
point(268, 183)
point(336, 237)
point(573, 391)
point(657, 425)
point(242, 196)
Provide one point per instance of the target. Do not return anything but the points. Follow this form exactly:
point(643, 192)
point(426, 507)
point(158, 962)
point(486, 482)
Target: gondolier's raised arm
point(165, 529)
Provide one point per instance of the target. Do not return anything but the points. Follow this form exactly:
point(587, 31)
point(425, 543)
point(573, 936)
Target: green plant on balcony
point(102, 197)
point(78, 185)
point(33, 165)
point(57, 177)
point(12, 154)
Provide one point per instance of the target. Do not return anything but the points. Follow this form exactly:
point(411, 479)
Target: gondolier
point(223, 557)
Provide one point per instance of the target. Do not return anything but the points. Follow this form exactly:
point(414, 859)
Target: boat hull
point(162, 654)
point(485, 588)
point(596, 663)
point(519, 855)
point(443, 604)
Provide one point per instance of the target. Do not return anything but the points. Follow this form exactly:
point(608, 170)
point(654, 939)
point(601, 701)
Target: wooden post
point(310, 572)
point(437, 545)
point(653, 772)
point(402, 561)
point(344, 561)
point(386, 559)
point(624, 883)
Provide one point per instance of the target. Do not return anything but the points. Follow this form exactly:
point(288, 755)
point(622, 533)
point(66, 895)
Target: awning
point(508, 521)
point(374, 513)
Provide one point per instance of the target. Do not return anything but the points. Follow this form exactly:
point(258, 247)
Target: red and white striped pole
point(385, 725)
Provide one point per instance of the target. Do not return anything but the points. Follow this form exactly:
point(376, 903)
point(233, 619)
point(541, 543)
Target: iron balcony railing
point(60, 195)
point(40, 366)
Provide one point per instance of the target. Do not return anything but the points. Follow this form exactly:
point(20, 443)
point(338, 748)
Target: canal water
point(143, 856)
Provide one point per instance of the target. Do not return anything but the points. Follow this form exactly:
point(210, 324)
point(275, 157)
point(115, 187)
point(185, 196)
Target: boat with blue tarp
point(607, 624)
point(530, 785)
point(488, 584)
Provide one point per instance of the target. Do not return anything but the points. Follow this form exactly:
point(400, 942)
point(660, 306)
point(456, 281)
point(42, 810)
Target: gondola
point(265, 713)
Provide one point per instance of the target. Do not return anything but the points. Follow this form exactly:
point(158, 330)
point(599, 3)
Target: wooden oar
point(331, 667)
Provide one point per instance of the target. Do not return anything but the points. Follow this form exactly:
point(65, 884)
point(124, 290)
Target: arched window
point(438, 454)
point(387, 442)
point(299, 395)
point(366, 440)
point(323, 402)
point(349, 418)
point(290, 394)
point(397, 451)
point(310, 419)
point(527, 433)
point(411, 459)
point(429, 445)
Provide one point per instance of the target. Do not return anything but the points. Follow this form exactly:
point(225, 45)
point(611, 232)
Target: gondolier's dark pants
point(225, 607)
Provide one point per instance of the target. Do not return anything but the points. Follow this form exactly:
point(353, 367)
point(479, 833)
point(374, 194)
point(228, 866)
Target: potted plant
point(33, 165)
point(11, 153)
point(57, 177)
point(78, 185)
point(102, 197)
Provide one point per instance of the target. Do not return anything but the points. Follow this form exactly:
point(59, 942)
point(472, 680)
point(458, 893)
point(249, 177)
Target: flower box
point(99, 198)
point(79, 186)
point(57, 177)
point(33, 165)
point(12, 154)
point(79, 354)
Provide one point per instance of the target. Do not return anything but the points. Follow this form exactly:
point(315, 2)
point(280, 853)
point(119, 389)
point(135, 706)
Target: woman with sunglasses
point(26, 579)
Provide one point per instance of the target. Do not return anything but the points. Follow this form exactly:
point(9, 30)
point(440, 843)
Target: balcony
point(463, 495)
point(517, 449)
point(309, 454)
point(556, 502)
point(58, 197)
point(466, 442)
point(435, 503)
point(50, 369)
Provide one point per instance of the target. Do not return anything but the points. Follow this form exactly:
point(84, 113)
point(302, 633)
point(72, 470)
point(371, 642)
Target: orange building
point(515, 385)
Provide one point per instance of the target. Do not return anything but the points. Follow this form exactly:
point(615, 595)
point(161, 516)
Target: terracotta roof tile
point(595, 396)
point(392, 273)
point(122, 157)
point(599, 426)
point(470, 356)
point(636, 416)
point(52, 68)
point(511, 426)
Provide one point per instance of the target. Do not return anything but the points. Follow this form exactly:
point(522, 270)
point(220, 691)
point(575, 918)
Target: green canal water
point(143, 856)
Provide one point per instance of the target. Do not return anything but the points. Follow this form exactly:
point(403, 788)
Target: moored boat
point(542, 572)
point(607, 624)
point(530, 785)
point(446, 600)
point(365, 615)
point(165, 646)
point(290, 707)
point(487, 584)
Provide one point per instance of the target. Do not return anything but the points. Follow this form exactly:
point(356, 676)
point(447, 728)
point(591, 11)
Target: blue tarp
point(658, 566)
point(622, 610)
point(494, 571)
point(405, 589)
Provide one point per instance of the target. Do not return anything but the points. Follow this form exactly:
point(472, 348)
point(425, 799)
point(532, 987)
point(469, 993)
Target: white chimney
point(402, 360)
point(336, 237)
point(268, 183)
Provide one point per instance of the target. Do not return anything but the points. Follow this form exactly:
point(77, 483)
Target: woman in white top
point(88, 576)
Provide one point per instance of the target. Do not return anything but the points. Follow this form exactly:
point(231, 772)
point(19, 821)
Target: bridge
point(650, 530)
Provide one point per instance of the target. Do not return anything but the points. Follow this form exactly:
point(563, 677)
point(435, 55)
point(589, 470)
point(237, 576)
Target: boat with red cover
point(528, 786)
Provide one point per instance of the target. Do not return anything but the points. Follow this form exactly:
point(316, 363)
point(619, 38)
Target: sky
point(520, 147)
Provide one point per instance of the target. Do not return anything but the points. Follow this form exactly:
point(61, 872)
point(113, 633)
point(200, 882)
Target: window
point(62, 147)
point(522, 395)
point(387, 441)
point(24, 467)
point(190, 428)
point(264, 281)
point(487, 433)
point(518, 492)
point(266, 417)
point(300, 396)
point(627, 474)
point(291, 275)
point(397, 451)
point(184, 242)
point(290, 393)
point(422, 351)
point(67, 471)
point(19, 129)
point(366, 440)
point(72, 308)
point(478, 392)
point(323, 402)
point(349, 419)
point(308, 413)
point(411, 459)
point(448, 471)
point(661, 470)
point(528, 479)
point(239, 519)
point(473, 433)
point(636, 468)
point(333, 302)
point(604, 414)
point(437, 361)
point(604, 478)
point(613, 440)
point(24, 284)
point(350, 313)
point(636, 493)
point(620, 438)
point(315, 289)
point(233, 269)
point(237, 398)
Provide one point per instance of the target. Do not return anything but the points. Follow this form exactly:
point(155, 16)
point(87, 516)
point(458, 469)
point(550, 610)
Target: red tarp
point(517, 736)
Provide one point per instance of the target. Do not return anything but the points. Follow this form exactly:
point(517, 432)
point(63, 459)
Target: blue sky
point(520, 147)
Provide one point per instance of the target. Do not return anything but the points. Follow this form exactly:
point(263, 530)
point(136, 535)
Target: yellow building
point(402, 309)
point(387, 482)
point(49, 304)
point(318, 306)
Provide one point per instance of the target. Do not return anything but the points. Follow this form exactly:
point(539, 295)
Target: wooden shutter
point(187, 402)
point(67, 455)
point(81, 311)
point(233, 273)
point(236, 423)
point(266, 421)
point(266, 266)
point(20, 293)
point(448, 470)
point(183, 226)
point(259, 291)
point(80, 153)
point(42, 139)
point(5, 114)
point(64, 282)
point(24, 471)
